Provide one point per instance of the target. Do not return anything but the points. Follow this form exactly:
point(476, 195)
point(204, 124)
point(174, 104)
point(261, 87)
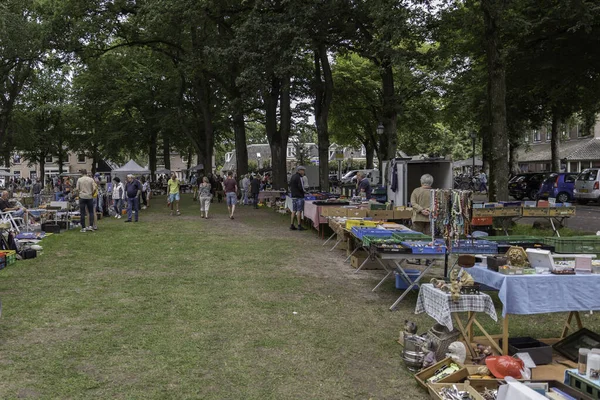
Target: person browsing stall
point(255, 189)
point(230, 186)
point(363, 185)
point(297, 192)
point(133, 190)
point(118, 195)
point(421, 201)
point(173, 189)
point(85, 188)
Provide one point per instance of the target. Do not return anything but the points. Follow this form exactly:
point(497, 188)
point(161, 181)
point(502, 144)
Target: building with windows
point(577, 150)
point(22, 168)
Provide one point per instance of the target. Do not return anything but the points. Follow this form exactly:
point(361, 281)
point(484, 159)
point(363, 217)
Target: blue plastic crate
point(412, 274)
point(360, 232)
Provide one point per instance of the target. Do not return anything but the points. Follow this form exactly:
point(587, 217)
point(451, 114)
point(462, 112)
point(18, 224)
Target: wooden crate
point(427, 373)
point(561, 211)
point(483, 212)
point(535, 212)
point(359, 257)
point(403, 214)
point(434, 389)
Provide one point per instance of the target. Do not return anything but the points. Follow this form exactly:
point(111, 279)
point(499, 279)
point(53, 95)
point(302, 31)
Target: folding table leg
point(383, 280)
point(409, 288)
point(336, 245)
point(361, 265)
point(327, 241)
point(351, 254)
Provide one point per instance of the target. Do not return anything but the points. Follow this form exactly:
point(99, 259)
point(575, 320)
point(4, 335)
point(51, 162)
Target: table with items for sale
point(541, 294)
point(394, 262)
point(440, 306)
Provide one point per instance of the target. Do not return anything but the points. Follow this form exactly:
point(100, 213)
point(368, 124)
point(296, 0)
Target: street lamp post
point(473, 137)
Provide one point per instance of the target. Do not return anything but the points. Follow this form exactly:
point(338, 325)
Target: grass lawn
point(186, 308)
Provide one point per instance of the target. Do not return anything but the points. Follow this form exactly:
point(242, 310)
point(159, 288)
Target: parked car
point(372, 175)
point(559, 186)
point(347, 178)
point(526, 185)
point(587, 186)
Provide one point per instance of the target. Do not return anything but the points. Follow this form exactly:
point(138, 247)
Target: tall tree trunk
point(555, 142)
point(152, 152)
point(279, 92)
point(42, 171)
point(499, 170)
point(369, 154)
point(95, 157)
point(513, 159)
point(239, 129)
point(389, 140)
point(166, 151)
point(323, 96)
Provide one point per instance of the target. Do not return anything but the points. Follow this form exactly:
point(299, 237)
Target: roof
point(132, 167)
point(572, 150)
point(467, 163)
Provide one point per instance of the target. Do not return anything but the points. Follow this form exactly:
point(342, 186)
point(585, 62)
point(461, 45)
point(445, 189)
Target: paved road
point(587, 217)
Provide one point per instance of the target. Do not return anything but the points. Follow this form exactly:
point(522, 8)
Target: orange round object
point(503, 366)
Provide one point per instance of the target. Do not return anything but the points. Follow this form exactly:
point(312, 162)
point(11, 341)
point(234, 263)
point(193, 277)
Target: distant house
point(578, 149)
point(22, 168)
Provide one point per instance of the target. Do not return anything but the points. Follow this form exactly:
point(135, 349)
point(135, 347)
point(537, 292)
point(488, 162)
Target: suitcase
point(51, 228)
point(28, 253)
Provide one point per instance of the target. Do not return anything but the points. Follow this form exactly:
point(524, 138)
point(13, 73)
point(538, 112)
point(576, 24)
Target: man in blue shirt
point(363, 185)
point(133, 190)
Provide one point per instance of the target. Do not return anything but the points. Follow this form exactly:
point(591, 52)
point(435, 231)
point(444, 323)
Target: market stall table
point(269, 195)
point(440, 306)
point(541, 294)
point(399, 260)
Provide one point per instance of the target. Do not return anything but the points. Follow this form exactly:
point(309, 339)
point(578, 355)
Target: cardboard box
point(328, 211)
point(456, 377)
point(359, 257)
point(535, 212)
point(403, 214)
point(561, 211)
point(356, 213)
point(383, 215)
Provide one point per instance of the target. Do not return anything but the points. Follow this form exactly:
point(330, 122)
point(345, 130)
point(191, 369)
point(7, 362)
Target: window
point(563, 132)
point(291, 152)
point(16, 159)
point(527, 138)
point(363, 151)
point(81, 158)
point(48, 159)
point(537, 136)
point(548, 134)
point(574, 167)
point(33, 175)
point(570, 178)
point(17, 174)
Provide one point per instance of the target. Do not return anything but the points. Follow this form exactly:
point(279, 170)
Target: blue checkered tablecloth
point(439, 305)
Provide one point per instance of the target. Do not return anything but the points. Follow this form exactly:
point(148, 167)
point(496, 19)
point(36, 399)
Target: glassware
point(583, 357)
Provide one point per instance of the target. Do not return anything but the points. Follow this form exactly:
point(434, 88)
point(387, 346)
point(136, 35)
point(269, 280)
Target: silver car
point(587, 186)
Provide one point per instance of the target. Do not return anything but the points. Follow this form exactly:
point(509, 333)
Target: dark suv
point(526, 185)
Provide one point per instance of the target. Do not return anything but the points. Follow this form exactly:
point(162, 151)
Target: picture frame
point(583, 338)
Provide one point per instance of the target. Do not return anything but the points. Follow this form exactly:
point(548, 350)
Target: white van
point(587, 186)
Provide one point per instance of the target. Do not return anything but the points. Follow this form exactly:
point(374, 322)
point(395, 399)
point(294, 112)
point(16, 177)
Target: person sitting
point(13, 206)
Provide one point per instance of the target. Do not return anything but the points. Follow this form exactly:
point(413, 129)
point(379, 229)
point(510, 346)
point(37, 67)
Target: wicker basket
point(442, 338)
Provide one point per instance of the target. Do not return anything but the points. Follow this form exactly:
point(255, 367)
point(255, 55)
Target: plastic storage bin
point(401, 283)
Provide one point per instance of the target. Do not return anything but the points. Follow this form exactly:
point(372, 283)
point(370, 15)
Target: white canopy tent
point(130, 168)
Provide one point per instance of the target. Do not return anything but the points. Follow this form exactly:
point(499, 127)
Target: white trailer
point(404, 175)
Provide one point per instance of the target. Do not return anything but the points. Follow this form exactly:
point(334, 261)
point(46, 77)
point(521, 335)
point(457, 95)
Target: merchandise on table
point(422, 247)
point(470, 246)
point(451, 212)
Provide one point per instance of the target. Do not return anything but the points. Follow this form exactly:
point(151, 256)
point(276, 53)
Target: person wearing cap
point(173, 189)
point(297, 192)
point(133, 190)
point(230, 186)
point(85, 189)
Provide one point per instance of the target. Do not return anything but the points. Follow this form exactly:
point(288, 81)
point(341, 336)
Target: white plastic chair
point(15, 222)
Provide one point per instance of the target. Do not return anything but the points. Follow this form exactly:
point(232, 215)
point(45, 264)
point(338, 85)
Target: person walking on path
point(205, 196)
point(173, 189)
point(482, 182)
point(194, 184)
point(255, 189)
point(133, 189)
point(420, 199)
point(85, 189)
point(118, 195)
point(145, 186)
point(230, 186)
point(297, 192)
point(245, 187)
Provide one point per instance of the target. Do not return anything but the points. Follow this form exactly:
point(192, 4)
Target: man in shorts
point(230, 186)
point(173, 190)
point(297, 192)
